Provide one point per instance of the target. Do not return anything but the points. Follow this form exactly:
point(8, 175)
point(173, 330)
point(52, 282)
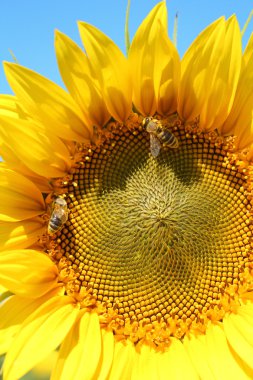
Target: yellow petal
point(13, 163)
point(27, 272)
point(170, 363)
point(20, 198)
point(229, 72)
point(44, 369)
point(13, 312)
point(239, 333)
point(210, 73)
point(43, 153)
point(42, 183)
point(166, 73)
point(111, 68)
point(196, 69)
point(142, 58)
point(106, 357)
point(11, 318)
point(2, 290)
point(76, 73)
point(10, 106)
point(239, 121)
point(47, 102)
point(80, 352)
point(247, 55)
point(7, 153)
point(124, 354)
point(224, 365)
point(14, 235)
point(40, 334)
point(145, 365)
point(197, 350)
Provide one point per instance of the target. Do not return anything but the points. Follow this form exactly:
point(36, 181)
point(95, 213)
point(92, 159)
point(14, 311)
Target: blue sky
point(27, 26)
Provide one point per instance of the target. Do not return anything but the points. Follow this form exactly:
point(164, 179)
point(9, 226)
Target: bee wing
point(60, 212)
point(151, 127)
point(155, 145)
point(64, 217)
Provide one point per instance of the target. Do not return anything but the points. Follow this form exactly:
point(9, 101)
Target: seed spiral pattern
point(156, 238)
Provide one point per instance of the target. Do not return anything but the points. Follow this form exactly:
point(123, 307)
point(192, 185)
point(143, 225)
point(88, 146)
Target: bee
point(159, 135)
point(59, 215)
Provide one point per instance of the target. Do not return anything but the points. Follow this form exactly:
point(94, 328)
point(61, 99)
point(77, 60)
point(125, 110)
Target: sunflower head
point(126, 213)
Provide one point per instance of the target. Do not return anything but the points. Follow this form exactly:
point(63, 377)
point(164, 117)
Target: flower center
point(159, 239)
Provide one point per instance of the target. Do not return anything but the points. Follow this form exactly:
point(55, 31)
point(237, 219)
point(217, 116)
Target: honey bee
point(59, 215)
point(159, 135)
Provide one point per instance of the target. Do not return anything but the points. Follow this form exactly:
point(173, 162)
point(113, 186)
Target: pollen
point(161, 244)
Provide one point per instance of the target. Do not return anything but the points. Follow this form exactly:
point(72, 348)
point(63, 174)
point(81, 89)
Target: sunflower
point(126, 208)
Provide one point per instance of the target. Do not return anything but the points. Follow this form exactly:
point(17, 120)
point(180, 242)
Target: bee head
point(145, 121)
